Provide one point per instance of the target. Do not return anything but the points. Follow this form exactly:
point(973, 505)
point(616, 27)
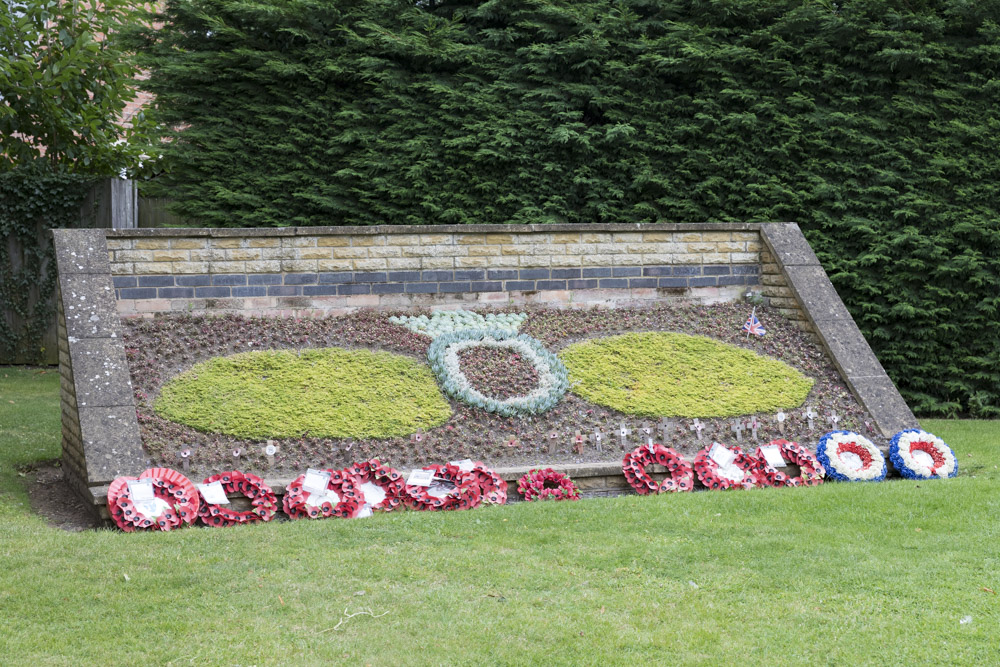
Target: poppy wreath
point(905, 444)
point(342, 482)
point(492, 488)
point(169, 486)
point(263, 502)
point(708, 470)
point(547, 484)
point(811, 470)
point(681, 477)
point(465, 496)
point(389, 479)
point(831, 454)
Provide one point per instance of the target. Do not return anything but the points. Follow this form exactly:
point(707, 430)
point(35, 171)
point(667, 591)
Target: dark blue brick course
point(563, 274)
point(263, 279)
point(404, 276)
point(643, 282)
point(321, 290)
point(212, 292)
point(491, 286)
point(253, 290)
point(657, 271)
point(614, 283)
point(230, 279)
point(283, 290)
point(600, 272)
point(519, 285)
point(124, 281)
point(199, 280)
point(534, 274)
point(354, 289)
point(370, 277)
point(731, 280)
point(715, 270)
point(387, 288)
point(673, 282)
point(626, 271)
point(702, 282)
point(421, 288)
point(176, 293)
point(470, 274)
point(502, 274)
point(300, 278)
point(687, 271)
point(436, 276)
point(746, 269)
point(156, 281)
point(455, 287)
point(336, 277)
point(583, 284)
point(550, 284)
point(138, 293)
point(751, 280)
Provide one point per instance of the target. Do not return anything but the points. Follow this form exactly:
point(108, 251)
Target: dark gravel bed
point(159, 348)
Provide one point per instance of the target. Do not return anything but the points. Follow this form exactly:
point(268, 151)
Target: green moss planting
point(328, 392)
point(676, 375)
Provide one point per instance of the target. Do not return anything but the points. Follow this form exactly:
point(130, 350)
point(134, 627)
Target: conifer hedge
point(873, 123)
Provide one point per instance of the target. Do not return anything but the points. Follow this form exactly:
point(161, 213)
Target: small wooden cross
point(754, 427)
point(269, 451)
point(698, 427)
point(781, 422)
point(810, 415)
point(237, 453)
point(647, 430)
point(417, 437)
point(578, 442)
point(513, 442)
point(833, 419)
point(737, 428)
point(552, 442)
point(598, 437)
point(666, 429)
point(624, 432)
point(186, 459)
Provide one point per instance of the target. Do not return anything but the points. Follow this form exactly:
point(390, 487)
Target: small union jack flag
point(753, 325)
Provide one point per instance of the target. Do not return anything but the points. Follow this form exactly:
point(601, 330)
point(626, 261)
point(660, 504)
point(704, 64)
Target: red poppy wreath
point(681, 474)
point(263, 502)
point(452, 489)
point(547, 484)
point(341, 498)
point(491, 487)
point(167, 501)
point(381, 485)
point(721, 467)
point(811, 470)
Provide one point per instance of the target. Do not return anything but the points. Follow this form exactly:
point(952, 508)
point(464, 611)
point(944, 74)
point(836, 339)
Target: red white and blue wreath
point(547, 484)
point(811, 471)
point(341, 498)
point(452, 489)
point(741, 471)
point(920, 455)
point(263, 502)
point(680, 475)
point(850, 457)
point(381, 485)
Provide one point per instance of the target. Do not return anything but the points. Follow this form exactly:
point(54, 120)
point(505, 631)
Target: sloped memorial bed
point(541, 386)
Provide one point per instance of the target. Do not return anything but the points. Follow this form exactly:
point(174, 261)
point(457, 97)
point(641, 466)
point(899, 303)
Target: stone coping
point(435, 229)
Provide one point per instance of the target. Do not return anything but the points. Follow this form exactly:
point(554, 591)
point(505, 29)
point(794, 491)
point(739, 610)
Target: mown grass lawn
point(838, 574)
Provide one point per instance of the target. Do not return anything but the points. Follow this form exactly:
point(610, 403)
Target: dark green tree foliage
point(873, 123)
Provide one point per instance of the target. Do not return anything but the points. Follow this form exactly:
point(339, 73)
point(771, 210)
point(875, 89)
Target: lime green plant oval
point(676, 375)
point(328, 392)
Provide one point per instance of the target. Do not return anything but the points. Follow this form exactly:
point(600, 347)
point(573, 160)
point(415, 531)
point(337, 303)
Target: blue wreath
point(832, 472)
point(906, 471)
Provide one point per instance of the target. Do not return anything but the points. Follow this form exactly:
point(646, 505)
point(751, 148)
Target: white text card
point(772, 454)
point(721, 455)
point(421, 478)
point(316, 481)
point(140, 490)
point(213, 493)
